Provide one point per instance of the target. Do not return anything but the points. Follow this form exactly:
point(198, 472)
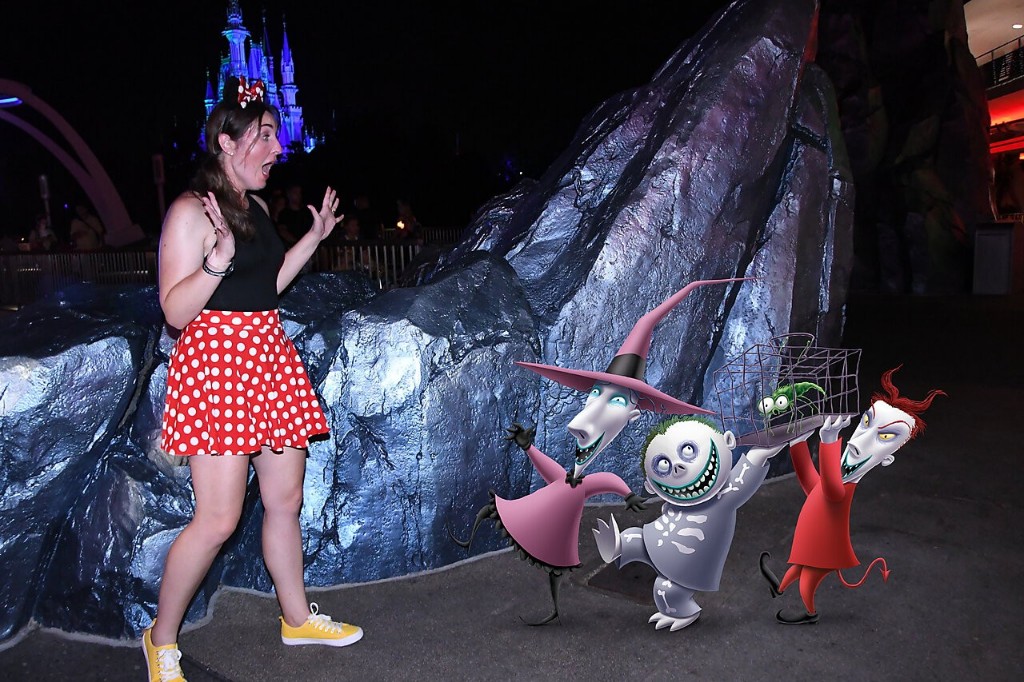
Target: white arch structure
point(86, 169)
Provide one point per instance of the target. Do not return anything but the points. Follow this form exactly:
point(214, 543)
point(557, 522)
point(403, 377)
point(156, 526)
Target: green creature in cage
point(786, 397)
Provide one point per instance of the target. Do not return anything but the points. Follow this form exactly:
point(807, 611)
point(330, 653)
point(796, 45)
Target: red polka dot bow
point(248, 94)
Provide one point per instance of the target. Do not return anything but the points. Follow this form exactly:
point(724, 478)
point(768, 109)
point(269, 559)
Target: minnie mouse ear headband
point(236, 87)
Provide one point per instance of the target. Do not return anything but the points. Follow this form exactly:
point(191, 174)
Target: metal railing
point(383, 263)
point(27, 277)
point(441, 235)
point(1003, 64)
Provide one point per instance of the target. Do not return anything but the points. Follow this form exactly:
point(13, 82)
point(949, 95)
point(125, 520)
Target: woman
point(236, 389)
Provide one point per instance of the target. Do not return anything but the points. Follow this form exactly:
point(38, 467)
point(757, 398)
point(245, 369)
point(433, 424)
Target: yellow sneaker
point(320, 629)
point(162, 661)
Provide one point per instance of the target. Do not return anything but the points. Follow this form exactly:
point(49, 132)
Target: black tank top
point(253, 283)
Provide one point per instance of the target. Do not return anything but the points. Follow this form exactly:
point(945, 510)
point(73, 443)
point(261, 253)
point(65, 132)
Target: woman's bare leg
point(280, 478)
point(219, 486)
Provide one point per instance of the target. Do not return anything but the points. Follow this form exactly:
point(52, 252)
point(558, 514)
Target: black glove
point(635, 503)
point(522, 436)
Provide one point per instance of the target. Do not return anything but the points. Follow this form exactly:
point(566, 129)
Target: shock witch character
point(544, 525)
point(821, 542)
point(686, 463)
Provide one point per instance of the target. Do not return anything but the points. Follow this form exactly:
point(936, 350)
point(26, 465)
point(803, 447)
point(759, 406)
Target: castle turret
point(211, 99)
point(257, 63)
point(272, 94)
point(291, 113)
point(236, 34)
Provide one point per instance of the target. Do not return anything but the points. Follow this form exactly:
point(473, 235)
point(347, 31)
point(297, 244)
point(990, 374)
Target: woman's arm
point(187, 235)
point(324, 221)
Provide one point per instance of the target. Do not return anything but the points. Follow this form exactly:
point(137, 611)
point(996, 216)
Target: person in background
point(293, 218)
point(8, 244)
point(350, 229)
point(87, 232)
point(41, 237)
point(276, 203)
point(353, 256)
point(407, 227)
point(370, 227)
point(237, 393)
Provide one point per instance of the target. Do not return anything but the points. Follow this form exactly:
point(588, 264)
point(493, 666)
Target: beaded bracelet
point(222, 273)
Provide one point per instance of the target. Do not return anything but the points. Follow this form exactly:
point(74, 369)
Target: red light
point(1006, 108)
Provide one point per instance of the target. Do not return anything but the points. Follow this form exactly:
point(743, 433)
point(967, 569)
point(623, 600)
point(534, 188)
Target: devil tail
point(484, 513)
point(885, 574)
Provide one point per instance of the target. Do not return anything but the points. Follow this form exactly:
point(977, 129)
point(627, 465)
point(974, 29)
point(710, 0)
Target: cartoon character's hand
point(522, 436)
point(635, 503)
point(608, 543)
point(829, 431)
point(802, 437)
point(759, 455)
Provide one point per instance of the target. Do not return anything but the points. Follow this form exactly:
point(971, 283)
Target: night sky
point(444, 103)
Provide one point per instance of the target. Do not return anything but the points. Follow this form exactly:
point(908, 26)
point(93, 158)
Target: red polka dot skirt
point(235, 384)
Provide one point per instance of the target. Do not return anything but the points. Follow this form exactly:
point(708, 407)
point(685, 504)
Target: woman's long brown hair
point(234, 120)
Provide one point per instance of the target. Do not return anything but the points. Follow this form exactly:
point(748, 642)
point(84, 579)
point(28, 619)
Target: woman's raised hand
point(325, 219)
point(219, 246)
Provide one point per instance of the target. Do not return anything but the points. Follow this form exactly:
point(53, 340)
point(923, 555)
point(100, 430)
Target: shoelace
point(322, 621)
point(167, 661)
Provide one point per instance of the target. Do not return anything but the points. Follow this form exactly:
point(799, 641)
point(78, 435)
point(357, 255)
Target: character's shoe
point(661, 621)
point(773, 580)
point(320, 629)
point(162, 661)
point(805, 619)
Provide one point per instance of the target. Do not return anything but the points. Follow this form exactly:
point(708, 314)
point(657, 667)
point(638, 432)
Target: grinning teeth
point(850, 468)
point(699, 487)
point(583, 453)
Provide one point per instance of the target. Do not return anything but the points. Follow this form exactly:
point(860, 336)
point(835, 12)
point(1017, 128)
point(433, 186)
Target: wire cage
point(775, 391)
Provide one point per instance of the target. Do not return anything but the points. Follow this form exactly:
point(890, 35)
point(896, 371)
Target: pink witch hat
point(628, 366)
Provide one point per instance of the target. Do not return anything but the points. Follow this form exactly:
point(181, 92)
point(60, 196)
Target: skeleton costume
point(688, 545)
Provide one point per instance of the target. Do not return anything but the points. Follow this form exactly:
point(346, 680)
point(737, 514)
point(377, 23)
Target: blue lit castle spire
point(258, 63)
point(291, 113)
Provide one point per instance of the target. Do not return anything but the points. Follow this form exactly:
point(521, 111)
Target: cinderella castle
point(259, 64)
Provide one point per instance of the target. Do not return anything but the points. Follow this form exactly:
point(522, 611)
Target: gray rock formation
point(728, 164)
point(418, 385)
point(68, 373)
point(418, 389)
